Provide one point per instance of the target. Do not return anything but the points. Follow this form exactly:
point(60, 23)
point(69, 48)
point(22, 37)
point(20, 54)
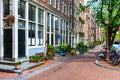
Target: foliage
point(80, 45)
point(64, 48)
point(104, 9)
point(82, 20)
point(18, 63)
point(81, 8)
point(50, 48)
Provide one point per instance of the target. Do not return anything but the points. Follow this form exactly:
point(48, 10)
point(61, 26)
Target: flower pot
point(49, 52)
point(17, 67)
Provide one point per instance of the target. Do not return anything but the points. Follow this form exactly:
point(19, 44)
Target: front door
point(7, 44)
point(21, 43)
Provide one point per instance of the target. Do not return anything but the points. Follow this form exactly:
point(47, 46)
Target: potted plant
point(73, 51)
point(50, 49)
point(18, 65)
point(63, 49)
point(80, 46)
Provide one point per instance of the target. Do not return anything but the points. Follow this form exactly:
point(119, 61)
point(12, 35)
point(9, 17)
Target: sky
point(85, 1)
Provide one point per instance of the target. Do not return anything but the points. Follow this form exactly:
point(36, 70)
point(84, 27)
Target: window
point(21, 14)
point(32, 12)
point(21, 9)
point(49, 1)
point(56, 30)
point(52, 22)
point(58, 4)
point(6, 7)
point(52, 39)
point(40, 16)
point(67, 33)
point(32, 34)
point(70, 9)
point(65, 8)
point(48, 22)
point(61, 31)
point(40, 35)
point(21, 24)
point(53, 3)
point(48, 38)
point(62, 6)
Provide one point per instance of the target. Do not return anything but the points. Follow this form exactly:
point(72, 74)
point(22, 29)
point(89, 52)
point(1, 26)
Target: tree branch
point(102, 14)
point(116, 15)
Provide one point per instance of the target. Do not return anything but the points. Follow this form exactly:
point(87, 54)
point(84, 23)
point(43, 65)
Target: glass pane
point(56, 39)
point(40, 35)
point(52, 39)
point(40, 16)
point(52, 22)
point(32, 34)
point(47, 38)
point(21, 24)
point(21, 9)
point(48, 22)
point(6, 7)
point(32, 12)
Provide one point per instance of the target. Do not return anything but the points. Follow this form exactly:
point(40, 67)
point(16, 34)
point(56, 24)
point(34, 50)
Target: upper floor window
point(21, 9)
point(58, 4)
point(70, 9)
point(53, 3)
point(65, 8)
point(62, 6)
point(49, 1)
point(32, 12)
point(48, 22)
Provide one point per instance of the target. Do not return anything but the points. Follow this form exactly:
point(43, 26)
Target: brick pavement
point(82, 68)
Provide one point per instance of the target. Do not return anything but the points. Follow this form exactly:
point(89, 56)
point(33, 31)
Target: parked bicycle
point(114, 56)
point(101, 55)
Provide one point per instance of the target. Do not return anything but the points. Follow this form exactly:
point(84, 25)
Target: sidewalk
point(107, 65)
point(29, 69)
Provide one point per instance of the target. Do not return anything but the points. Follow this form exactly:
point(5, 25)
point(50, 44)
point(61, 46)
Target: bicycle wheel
point(115, 60)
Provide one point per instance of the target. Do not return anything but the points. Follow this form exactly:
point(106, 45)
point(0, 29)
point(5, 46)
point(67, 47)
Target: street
point(81, 68)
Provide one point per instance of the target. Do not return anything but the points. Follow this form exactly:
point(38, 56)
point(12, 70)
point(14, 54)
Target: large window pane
point(32, 12)
point(53, 3)
point(52, 39)
point(52, 22)
point(40, 16)
point(48, 38)
point(48, 22)
point(21, 9)
point(31, 34)
point(6, 7)
point(40, 35)
point(56, 30)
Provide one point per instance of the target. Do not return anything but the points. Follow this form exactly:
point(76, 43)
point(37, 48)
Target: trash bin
point(81, 50)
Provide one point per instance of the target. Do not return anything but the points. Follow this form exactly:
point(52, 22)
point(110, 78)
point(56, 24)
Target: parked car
point(116, 45)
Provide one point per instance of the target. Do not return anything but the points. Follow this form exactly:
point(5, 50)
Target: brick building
point(27, 26)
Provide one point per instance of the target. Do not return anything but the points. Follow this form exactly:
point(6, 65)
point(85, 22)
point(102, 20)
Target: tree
point(104, 9)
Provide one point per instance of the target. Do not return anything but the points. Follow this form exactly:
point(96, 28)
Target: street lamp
point(107, 43)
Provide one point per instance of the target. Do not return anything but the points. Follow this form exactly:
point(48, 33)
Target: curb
point(106, 67)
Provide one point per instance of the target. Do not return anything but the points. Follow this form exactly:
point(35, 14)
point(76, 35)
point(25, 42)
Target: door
point(7, 44)
point(21, 43)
